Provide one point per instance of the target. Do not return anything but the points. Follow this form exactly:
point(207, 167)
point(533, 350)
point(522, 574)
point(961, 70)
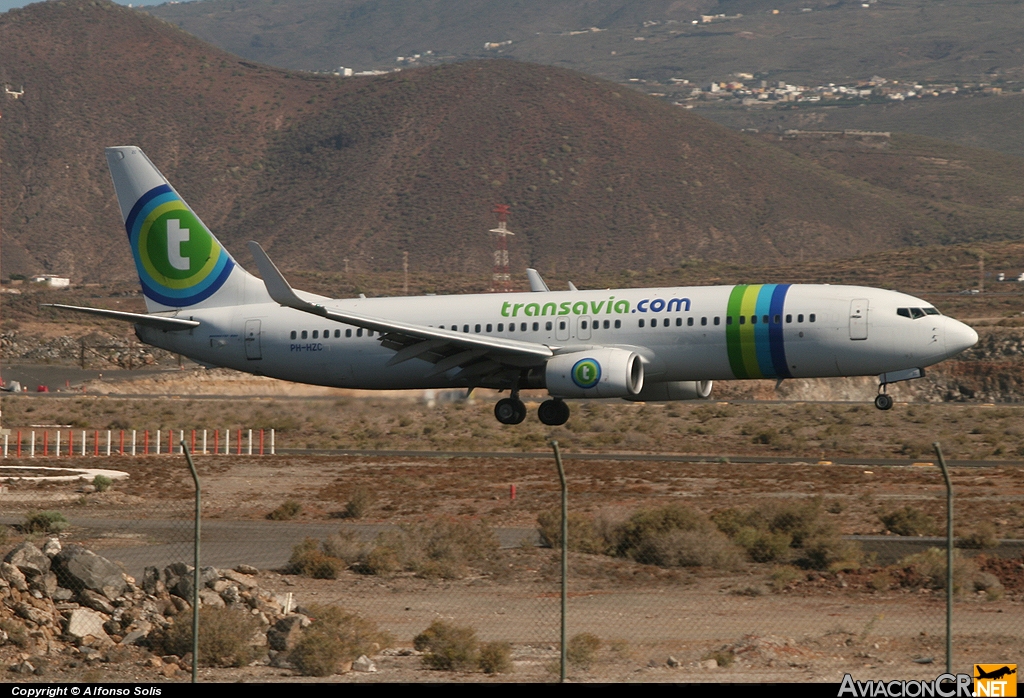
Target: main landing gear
point(511, 410)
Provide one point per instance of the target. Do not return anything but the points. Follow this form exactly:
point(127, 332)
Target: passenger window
point(789, 318)
point(689, 322)
point(536, 326)
point(522, 327)
point(348, 333)
point(477, 329)
point(294, 334)
point(369, 333)
point(511, 327)
point(561, 325)
point(327, 334)
point(679, 321)
point(702, 321)
point(728, 319)
point(304, 334)
point(316, 333)
point(607, 324)
point(800, 318)
point(501, 327)
point(811, 317)
point(618, 324)
point(641, 323)
point(337, 334)
point(359, 332)
point(753, 319)
point(743, 319)
point(465, 328)
point(764, 319)
point(548, 325)
point(665, 322)
point(489, 327)
point(583, 325)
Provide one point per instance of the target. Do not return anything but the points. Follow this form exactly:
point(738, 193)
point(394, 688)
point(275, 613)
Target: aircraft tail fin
point(179, 261)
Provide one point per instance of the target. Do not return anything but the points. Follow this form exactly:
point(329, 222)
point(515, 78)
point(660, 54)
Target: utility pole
point(501, 281)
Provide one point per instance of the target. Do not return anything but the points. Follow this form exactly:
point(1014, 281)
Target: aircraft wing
point(483, 358)
point(160, 322)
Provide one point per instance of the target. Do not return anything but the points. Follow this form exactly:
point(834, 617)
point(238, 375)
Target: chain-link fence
point(730, 572)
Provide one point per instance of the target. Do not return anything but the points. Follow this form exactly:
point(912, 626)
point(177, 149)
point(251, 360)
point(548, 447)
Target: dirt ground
point(814, 628)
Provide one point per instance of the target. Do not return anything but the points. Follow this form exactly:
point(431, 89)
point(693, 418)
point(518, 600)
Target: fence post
point(238, 448)
point(133, 441)
point(271, 442)
point(32, 450)
point(158, 442)
point(250, 442)
point(108, 443)
point(19, 443)
point(565, 551)
point(170, 442)
point(949, 558)
point(56, 449)
point(261, 442)
point(195, 567)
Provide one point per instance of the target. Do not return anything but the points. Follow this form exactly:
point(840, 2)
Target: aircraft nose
point(959, 337)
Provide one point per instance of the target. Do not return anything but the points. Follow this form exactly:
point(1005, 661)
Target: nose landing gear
point(883, 400)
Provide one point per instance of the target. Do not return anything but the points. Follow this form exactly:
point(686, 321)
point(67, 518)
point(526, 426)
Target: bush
point(289, 510)
point(496, 658)
point(344, 545)
point(580, 650)
point(334, 637)
point(448, 647)
point(16, 632)
point(445, 548)
point(981, 537)
point(585, 535)
point(783, 576)
point(769, 531)
point(358, 504)
point(44, 522)
point(674, 536)
point(310, 561)
point(909, 521)
point(102, 483)
point(224, 636)
point(930, 568)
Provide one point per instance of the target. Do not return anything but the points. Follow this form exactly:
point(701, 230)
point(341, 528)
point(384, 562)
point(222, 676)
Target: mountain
point(328, 172)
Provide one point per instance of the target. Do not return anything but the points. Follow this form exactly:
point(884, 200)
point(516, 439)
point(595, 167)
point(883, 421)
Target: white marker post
point(83, 443)
point(32, 447)
point(133, 442)
point(108, 443)
point(204, 442)
point(56, 451)
point(227, 442)
point(158, 442)
point(181, 441)
point(250, 442)
point(271, 442)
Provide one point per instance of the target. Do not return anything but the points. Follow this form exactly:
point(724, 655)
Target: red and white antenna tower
point(502, 280)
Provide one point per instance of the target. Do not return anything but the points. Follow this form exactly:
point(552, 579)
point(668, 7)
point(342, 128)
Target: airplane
point(638, 344)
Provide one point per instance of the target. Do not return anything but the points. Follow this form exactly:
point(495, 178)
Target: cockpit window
point(916, 313)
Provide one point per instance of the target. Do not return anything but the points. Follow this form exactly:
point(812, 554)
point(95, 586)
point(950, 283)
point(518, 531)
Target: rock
point(29, 559)
point(169, 671)
point(709, 664)
point(231, 595)
point(151, 582)
point(79, 568)
point(83, 623)
point(46, 584)
point(364, 664)
point(51, 547)
point(96, 602)
point(244, 581)
point(208, 597)
point(286, 632)
point(247, 569)
point(30, 612)
point(13, 576)
point(23, 667)
point(133, 637)
point(673, 662)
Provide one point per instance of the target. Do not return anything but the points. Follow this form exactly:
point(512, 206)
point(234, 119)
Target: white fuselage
point(682, 334)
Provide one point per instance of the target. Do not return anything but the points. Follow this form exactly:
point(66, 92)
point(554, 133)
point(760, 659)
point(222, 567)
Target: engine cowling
point(673, 390)
point(607, 372)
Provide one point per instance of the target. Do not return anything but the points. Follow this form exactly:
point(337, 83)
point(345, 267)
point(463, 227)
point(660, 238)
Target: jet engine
point(604, 372)
point(672, 390)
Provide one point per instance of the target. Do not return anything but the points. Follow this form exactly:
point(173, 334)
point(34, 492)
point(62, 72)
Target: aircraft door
point(252, 340)
point(583, 327)
point(859, 318)
point(562, 328)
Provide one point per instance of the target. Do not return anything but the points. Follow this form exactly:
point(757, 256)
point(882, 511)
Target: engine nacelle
point(672, 390)
point(607, 372)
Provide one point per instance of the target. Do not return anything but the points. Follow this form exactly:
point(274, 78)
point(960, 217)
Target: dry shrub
point(586, 535)
point(674, 536)
point(783, 576)
point(16, 632)
point(928, 569)
point(309, 560)
point(44, 522)
point(344, 545)
point(334, 638)
point(288, 510)
point(224, 636)
point(358, 504)
point(446, 548)
point(981, 537)
point(448, 647)
point(909, 521)
point(496, 658)
point(581, 648)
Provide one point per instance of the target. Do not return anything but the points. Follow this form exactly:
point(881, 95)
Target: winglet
point(536, 282)
point(277, 286)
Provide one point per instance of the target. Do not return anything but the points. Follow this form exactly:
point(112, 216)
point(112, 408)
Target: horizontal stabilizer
point(167, 324)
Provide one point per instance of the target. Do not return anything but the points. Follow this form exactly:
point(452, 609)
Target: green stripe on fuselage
point(732, 332)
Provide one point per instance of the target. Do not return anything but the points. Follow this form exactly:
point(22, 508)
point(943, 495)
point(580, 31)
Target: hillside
point(323, 170)
point(819, 40)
